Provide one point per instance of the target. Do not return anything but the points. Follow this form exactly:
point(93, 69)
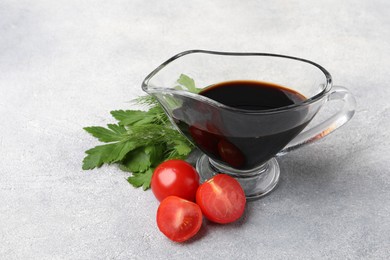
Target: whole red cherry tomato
point(221, 199)
point(178, 219)
point(175, 177)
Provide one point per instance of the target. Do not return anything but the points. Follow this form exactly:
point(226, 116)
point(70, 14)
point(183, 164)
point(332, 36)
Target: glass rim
point(308, 101)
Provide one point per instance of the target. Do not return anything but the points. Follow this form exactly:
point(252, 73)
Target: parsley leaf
point(188, 83)
point(112, 134)
point(141, 179)
point(142, 158)
point(136, 161)
point(140, 141)
point(181, 147)
point(136, 117)
point(107, 153)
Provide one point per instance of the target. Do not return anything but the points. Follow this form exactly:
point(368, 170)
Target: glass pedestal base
point(256, 182)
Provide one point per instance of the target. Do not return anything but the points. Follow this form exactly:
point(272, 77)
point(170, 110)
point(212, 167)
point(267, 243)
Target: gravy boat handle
point(329, 125)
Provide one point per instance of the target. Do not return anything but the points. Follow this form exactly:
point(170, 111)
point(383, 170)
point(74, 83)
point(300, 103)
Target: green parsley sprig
point(140, 140)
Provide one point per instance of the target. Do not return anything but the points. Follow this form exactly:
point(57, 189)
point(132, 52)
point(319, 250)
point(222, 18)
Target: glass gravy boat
point(240, 142)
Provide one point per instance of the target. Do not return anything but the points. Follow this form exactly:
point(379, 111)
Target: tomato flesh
point(178, 219)
point(175, 178)
point(221, 199)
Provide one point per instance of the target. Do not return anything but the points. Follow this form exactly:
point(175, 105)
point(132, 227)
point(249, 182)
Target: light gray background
point(65, 64)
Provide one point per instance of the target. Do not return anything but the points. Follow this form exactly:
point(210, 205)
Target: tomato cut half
point(221, 199)
point(178, 219)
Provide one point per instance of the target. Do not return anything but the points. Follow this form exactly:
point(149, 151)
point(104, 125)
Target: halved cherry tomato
point(178, 219)
point(231, 154)
point(221, 199)
point(175, 177)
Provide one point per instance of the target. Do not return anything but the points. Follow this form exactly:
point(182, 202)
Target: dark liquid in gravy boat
point(245, 139)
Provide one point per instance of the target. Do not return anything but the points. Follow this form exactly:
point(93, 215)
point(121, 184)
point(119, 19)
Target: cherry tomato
point(178, 219)
point(230, 154)
point(175, 177)
point(221, 199)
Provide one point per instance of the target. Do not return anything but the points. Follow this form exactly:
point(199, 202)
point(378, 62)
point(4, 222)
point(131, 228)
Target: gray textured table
point(65, 64)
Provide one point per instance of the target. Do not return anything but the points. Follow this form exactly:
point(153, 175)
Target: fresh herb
point(187, 83)
point(140, 140)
